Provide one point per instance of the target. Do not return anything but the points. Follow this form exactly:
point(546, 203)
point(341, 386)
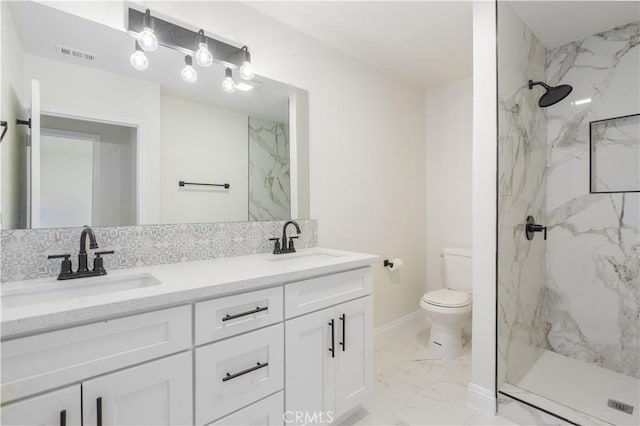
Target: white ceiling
point(429, 43)
point(559, 22)
point(425, 43)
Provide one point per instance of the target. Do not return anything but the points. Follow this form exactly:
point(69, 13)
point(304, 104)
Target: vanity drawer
point(48, 360)
point(228, 316)
point(236, 372)
point(266, 412)
point(318, 293)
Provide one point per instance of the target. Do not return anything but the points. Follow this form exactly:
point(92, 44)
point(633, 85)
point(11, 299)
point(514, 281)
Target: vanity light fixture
point(138, 59)
point(204, 58)
point(189, 74)
point(228, 85)
point(147, 37)
point(246, 69)
point(151, 32)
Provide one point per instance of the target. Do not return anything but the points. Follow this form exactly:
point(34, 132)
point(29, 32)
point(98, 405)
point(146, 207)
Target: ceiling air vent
point(75, 53)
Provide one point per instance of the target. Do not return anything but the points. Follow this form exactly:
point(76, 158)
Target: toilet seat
point(447, 298)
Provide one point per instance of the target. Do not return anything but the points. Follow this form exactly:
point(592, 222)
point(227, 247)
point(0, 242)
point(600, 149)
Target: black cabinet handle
point(244, 314)
point(332, 349)
point(343, 318)
point(230, 376)
point(99, 410)
point(63, 418)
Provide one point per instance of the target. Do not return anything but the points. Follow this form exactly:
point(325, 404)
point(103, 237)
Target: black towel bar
point(183, 183)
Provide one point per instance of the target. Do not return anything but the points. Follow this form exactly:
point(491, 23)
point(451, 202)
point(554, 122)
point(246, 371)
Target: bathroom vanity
point(193, 343)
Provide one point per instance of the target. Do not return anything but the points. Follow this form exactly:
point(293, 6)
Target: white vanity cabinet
point(214, 361)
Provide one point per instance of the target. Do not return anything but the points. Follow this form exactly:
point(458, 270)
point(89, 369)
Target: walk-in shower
point(568, 311)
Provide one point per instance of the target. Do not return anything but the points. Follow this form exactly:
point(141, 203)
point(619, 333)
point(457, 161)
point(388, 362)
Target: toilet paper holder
point(387, 263)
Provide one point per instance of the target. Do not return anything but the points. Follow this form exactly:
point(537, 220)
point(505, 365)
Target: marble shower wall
point(521, 192)
point(594, 239)
point(269, 183)
point(24, 252)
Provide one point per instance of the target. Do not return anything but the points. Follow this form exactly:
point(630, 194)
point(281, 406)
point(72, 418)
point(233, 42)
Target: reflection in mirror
point(108, 144)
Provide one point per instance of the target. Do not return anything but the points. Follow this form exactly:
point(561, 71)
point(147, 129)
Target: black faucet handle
point(276, 246)
point(98, 262)
point(65, 266)
point(292, 247)
point(59, 256)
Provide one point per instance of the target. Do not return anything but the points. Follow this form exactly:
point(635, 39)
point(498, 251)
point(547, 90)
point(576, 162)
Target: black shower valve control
point(531, 227)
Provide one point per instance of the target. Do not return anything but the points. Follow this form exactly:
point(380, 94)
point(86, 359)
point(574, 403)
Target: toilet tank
point(457, 269)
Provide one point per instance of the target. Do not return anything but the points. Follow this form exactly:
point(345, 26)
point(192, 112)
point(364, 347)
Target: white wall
point(449, 139)
point(201, 143)
point(367, 150)
point(483, 374)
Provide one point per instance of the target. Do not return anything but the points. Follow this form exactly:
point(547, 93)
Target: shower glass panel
point(569, 295)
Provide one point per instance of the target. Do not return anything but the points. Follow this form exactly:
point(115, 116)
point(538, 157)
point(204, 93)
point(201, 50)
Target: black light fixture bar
point(186, 41)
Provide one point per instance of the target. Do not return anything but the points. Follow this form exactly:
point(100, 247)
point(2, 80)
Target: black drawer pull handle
point(230, 376)
point(63, 418)
point(343, 318)
point(99, 410)
point(244, 314)
point(332, 349)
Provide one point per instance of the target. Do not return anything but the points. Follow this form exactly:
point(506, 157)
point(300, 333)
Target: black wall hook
point(24, 122)
point(5, 127)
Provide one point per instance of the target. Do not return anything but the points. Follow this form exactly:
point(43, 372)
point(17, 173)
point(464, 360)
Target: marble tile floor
point(412, 388)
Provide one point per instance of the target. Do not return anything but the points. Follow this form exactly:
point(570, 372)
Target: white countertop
point(180, 283)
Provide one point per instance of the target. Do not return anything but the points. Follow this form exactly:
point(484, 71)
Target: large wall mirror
point(110, 145)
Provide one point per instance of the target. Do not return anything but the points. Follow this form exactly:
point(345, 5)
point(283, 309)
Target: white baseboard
point(482, 399)
point(396, 326)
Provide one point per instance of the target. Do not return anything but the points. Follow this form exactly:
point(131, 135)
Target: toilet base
point(445, 340)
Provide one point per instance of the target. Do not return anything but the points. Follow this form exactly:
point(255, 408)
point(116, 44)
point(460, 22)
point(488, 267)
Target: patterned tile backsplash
point(24, 252)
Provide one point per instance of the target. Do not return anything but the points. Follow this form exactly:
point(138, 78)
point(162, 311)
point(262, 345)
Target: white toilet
point(449, 307)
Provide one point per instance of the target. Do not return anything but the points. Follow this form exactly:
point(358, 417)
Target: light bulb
point(204, 58)
point(246, 71)
point(139, 61)
point(228, 85)
point(148, 40)
point(189, 74)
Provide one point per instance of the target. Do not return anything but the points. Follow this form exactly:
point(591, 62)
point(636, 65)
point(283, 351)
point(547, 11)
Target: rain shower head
point(553, 95)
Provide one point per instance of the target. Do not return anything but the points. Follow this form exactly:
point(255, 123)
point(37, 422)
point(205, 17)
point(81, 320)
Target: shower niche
point(614, 154)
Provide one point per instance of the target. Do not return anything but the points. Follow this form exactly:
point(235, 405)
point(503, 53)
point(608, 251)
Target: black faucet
point(66, 271)
point(286, 247)
point(82, 256)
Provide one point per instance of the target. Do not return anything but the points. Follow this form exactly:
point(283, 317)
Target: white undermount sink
point(57, 291)
point(303, 257)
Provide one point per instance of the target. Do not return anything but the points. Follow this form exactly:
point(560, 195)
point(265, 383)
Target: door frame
point(101, 117)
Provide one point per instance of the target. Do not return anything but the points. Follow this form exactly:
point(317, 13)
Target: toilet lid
point(447, 297)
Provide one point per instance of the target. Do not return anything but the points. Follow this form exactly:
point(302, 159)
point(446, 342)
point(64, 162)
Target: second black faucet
point(287, 246)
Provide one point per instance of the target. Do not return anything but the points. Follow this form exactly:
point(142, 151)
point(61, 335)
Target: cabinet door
point(61, 407)
point(354, 354)
point(310, 369)
point(155, 393)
